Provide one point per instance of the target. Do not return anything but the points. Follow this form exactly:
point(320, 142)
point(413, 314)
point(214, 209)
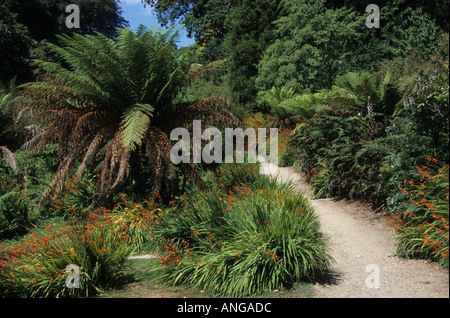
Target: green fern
point(134, 124)
point(113, 97)
point(383, 90)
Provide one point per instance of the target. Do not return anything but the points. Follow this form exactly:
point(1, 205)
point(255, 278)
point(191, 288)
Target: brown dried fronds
point(8, 155)
point(197, 71)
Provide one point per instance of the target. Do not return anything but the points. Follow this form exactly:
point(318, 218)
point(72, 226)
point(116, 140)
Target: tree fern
point(383, 90)
point(113, 101)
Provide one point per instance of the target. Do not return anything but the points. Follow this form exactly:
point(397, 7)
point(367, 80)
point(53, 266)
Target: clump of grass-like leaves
point(246, 234)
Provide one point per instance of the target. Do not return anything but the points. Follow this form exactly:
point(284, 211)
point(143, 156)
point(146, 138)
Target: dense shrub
point(351, 156)
point(245, 234)
point(338, 158)
point(421, 220)
point(421, 130)
point(98, 241)
point(14, 208)
point(99, 252)
point(348, 155)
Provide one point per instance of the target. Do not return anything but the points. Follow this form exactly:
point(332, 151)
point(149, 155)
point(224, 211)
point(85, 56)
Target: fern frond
point(97, 143)
point(10, 158)
point(157, 149)
point(197, 71)
point(134, 124)
point(5, 197)
point(212, 110)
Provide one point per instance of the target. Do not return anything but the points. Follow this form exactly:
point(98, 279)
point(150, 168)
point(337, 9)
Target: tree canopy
point(312, 46)
point(25, 23)
point(15, 45)
point(46, 18)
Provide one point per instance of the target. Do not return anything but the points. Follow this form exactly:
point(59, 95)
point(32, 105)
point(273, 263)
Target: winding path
point(362, 246)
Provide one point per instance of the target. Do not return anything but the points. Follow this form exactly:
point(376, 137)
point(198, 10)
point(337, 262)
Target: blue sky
point(135, 13)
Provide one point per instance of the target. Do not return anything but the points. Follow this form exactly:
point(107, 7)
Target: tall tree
point(249, 31)
point(46, 18)
point(405, 26)
point(313, 45)
point(203, 19)
point(15, 45)
point(437, 10)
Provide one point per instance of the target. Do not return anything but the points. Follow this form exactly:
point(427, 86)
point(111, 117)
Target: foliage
point(6, 97)
point(311, 47)
point(421, 222)
point(202, 19)
point(6, 123)
point(24, 23)
point(98, 241)
point(436, 9)
point(77, 197)
point(274, 98)
point(115, 99)
point(406, 27)
point(35, 171)
point(292, 109)
point(44, 19)
point(14, 208)
point(246, 234)
point(382, 91)
point(420, 131)
point(15, 45)
point(339, 160)
point(99, 252)
point(249, 30)
point(354, 152)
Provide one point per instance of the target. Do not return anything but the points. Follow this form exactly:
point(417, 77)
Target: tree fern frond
point(171, 86)
point(212, 110)
point(157, 148)
point(124, 167)
point(89, 123)
point(97, 143)
point(198, 70)
point(5, 197)
point(10, 158)
point(134, 124)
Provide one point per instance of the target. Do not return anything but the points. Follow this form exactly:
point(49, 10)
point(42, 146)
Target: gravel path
point(362, 246)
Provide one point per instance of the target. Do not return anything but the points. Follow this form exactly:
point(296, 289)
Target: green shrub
point(246, 234)
point(14, 208)
point(35, 171)
point(287, 159)
point(37, 267)
point(78, 197)
point(421, 221)
point(342, 158)
point(421, 130)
